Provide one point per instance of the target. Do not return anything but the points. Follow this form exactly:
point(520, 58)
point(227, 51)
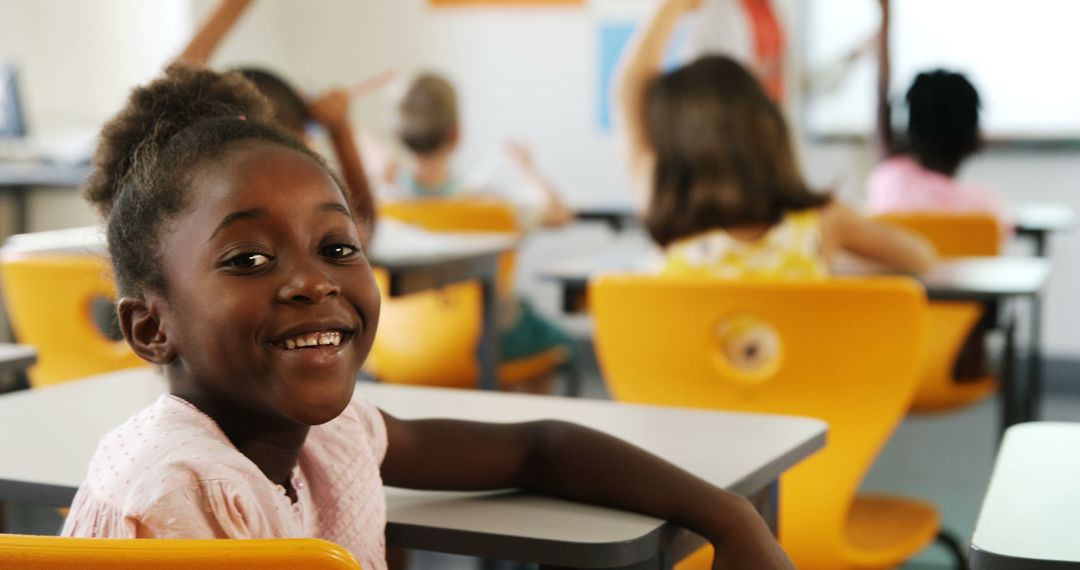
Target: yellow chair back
point(953, 235)
point(847, 351)
point(20, 552)
point(431, 338)
point(49, 300)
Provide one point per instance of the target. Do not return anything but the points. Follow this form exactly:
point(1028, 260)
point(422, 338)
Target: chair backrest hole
point(746, 348)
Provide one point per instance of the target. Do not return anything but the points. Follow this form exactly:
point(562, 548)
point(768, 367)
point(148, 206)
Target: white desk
point(45, 460)
point(16, 357)
point(17, 178)
point(1031, 513)
point(415, 260)
point(1035, 220)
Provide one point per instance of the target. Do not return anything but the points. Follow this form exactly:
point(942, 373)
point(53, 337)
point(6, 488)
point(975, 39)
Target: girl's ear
point(141, 323)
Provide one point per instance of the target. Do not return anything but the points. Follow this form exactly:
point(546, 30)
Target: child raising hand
point(712, 156)
point(237, 257)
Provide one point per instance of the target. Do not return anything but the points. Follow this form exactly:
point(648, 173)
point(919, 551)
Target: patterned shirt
point(170, 472)
point(789, 250)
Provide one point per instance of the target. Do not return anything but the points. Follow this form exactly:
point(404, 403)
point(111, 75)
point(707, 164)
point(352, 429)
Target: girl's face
point(271, 305)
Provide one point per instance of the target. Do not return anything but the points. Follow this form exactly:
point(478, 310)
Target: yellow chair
point(785, 348)
point(468, 214)
point(431, 338)
point(21, 552)
point(49, 300)
point(953, 235)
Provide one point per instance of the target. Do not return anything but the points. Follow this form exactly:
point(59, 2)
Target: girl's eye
point(339, 251)
point(248, 260)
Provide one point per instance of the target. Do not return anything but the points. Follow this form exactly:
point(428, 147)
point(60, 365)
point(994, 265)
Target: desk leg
point(767, 502)
point(1011, 402)
point(488, 349)
point(1033, 405)
point(19, 203)
point(1041, 249)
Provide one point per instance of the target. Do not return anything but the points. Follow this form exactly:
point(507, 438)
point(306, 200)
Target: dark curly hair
point(723, 152)
point(149, 153)
point(943, 120)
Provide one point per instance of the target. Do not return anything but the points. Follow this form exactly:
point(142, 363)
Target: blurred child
point(712, 155)
point(942, 132)
point(429, 128)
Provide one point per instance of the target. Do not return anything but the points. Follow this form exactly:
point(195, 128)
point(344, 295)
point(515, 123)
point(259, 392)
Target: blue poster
point(614, 37)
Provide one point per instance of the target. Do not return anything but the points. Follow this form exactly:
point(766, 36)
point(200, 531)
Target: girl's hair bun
point(155, 113)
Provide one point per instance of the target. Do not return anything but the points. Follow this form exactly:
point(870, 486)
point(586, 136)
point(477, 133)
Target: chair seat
point(533, 367)
point(958, 395)
point(884, 531)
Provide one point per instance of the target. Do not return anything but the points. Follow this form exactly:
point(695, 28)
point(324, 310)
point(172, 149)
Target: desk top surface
point(395, 244)
point(58, 429)
point(970, 278)
point(1029, 217)
point(1031, 512)
point(16, 356)
point(42, 174)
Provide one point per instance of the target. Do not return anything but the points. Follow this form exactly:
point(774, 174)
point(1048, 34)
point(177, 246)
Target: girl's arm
point(845, 229)
point(206, 40)
point(886, 146)
point(576, 463)
point(332, 111)
point(640, 65)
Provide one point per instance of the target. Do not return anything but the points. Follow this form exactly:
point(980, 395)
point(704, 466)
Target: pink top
point(900, 184)
point(170, 472)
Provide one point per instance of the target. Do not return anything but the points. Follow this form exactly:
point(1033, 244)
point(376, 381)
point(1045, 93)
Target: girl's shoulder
point(167, 446)
point(167, 469)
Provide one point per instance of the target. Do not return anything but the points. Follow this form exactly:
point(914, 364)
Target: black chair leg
point(573, 376)
point(955, 548)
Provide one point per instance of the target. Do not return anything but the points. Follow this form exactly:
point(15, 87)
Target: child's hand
point(521, 155)
point(331, 109)
point(690, 5)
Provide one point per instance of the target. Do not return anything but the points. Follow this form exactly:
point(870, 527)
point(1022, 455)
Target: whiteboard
point(1020, 55)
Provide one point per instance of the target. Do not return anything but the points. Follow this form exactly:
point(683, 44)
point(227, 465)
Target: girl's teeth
point(315, 339)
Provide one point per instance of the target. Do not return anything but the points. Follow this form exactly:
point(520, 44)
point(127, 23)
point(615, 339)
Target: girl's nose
point(308, 284)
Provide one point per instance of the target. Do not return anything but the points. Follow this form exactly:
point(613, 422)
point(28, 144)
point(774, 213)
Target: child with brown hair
point(712, 155)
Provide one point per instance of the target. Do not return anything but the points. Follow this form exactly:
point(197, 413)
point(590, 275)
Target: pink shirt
point(170, 472)
point(900, 184)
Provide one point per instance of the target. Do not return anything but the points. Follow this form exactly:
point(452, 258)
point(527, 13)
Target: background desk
point(17, 178)
point(1033, 220)
point(985, 280)
point(1031, 512)
point(45, 460)
point(413, 259)
point(16, 357)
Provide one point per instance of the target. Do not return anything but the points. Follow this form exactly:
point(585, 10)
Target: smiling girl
point(237, 257)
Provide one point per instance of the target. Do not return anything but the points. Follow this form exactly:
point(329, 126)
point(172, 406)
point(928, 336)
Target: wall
point(529, 73)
